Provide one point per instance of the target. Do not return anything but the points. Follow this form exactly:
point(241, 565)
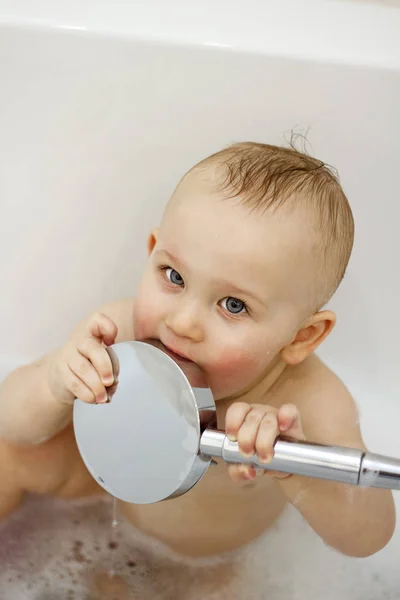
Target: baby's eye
point(174, 276)
point(233, 305)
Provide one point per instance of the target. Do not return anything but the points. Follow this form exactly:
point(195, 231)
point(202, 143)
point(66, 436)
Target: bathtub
point(104, 105)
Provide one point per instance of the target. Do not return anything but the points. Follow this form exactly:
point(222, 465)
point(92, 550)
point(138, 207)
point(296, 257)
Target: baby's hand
point(255, 427)
point(83, 368)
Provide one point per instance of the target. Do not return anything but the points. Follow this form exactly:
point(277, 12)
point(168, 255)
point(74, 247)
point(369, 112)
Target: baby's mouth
point(176, 356)
point(192, 370)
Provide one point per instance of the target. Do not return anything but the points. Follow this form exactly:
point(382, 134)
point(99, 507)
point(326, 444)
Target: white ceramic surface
point(104, 105)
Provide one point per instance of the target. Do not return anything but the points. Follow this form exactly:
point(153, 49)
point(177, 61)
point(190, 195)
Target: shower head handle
point(333, 463)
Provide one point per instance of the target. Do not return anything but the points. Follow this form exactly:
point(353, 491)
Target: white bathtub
point(104, 105)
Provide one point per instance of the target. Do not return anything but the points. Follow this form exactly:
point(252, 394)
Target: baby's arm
point(35, 404)
point(356, 521)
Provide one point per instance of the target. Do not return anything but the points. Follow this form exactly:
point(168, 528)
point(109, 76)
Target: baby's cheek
point(235, 364)
point(144, 318)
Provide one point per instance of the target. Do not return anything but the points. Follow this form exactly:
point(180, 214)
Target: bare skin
point(259, 362)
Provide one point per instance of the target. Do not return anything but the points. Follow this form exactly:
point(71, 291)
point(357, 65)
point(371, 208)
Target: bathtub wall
point(103, 109)
point(105, 105)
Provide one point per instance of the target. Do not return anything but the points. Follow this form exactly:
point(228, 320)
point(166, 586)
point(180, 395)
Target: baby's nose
point(185, 323)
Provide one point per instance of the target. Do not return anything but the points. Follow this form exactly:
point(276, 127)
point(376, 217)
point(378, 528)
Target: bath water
point(113, 543)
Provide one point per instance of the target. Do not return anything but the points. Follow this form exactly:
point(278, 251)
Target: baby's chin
point(194, 376)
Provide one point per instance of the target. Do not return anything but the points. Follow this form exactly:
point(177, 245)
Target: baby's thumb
point(103, 328)
point(241, 474)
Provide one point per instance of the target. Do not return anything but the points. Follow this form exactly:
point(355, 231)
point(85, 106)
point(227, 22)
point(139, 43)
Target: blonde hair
point(266, 176)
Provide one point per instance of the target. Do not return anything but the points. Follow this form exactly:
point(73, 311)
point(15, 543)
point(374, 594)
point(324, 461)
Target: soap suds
point(59, 550)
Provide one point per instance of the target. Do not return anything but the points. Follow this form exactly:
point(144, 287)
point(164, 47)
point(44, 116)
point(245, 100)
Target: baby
point(252, 244)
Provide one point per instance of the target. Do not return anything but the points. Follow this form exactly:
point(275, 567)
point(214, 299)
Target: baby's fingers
point(235, 415)
point(81, 368)
point(99, 357)
point(256, 423)
point(241, 473)
point(268, 431)
point(79, 389)
point(289, 422)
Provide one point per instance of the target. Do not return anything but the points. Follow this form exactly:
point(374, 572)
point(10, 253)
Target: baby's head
point(254, 241)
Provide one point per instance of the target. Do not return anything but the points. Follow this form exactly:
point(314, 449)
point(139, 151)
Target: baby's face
point(224, 287)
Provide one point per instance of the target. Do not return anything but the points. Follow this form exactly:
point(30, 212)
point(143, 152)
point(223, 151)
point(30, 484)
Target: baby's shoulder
point(328, 411)
point(311, 378)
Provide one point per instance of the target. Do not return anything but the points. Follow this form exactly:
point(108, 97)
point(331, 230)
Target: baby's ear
point(152, 240)
point(309, 337)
